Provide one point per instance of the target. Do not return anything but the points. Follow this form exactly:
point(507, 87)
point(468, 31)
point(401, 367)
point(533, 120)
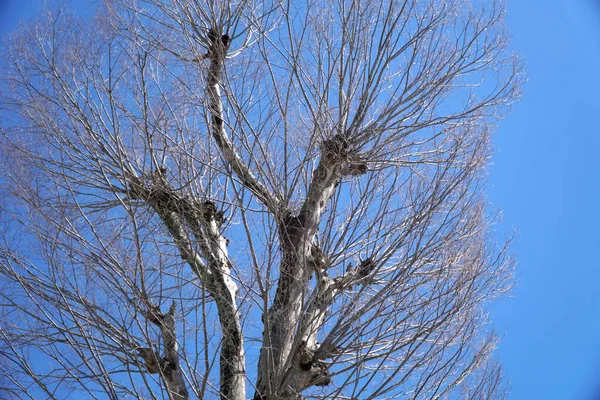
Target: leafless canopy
point(230, 199)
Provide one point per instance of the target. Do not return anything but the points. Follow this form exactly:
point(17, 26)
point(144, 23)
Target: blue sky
point(546, 180)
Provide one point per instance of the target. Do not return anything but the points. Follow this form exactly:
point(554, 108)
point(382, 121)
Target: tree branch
point(300, 257)
point(167, 366)
point(216, 54)
point(204, 221)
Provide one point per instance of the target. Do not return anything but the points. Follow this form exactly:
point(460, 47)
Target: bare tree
point(288, 193)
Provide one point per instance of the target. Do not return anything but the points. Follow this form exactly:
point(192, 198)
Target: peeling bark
point(328, 93)
point(168, 366)
point(180, 213)
point(216, 54)
point(232, 358)
point(296, 236)
point(289, 335)
point(284, 369)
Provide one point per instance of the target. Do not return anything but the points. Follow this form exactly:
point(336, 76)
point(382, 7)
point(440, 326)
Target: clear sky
point(546, 180)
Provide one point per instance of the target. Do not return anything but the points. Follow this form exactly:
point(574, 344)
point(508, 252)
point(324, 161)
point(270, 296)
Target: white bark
point(204, 221)
point(289, 374)
point(345, 141)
